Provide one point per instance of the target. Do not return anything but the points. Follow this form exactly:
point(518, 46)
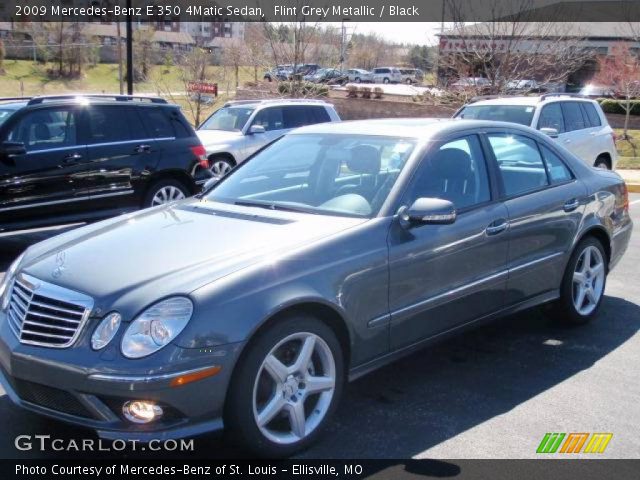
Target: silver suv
point(577, 123)
point(240, 128)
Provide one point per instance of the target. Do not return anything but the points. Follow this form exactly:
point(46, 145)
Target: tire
point(220, 166)
point(357, 80)
point(576, 276)
point(408, 81)
point(253, 388)
point(602, 162)
point(386, 80)
point(170, 190)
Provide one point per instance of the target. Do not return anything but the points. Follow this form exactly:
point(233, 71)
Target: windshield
point(5, 113)
point(328, 174)
point(230, 119)
point(522, 114)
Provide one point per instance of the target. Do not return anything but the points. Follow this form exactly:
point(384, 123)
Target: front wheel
point(583, 284)
point(287, 387)
point(220, 166)
point(386, 80)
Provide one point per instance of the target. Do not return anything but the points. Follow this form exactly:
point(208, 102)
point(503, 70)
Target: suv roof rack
point(273, 100)
point(14, 99)
point(544, 96)
point(117, 97)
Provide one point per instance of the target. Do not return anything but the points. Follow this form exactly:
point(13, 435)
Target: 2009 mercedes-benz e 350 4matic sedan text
point(336, 252)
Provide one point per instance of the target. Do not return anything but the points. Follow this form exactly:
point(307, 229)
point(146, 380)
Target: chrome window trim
point(54, 292)
point(67, 200)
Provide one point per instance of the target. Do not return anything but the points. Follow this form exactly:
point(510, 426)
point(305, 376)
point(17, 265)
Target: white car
point(358, 75)
point(240, 128)
point(386, 75)
point(578, 123)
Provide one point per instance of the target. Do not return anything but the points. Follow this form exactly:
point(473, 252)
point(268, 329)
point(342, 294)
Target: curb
point(633, 187)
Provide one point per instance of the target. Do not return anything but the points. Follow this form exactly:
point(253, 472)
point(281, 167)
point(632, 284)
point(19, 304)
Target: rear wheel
point(357, 80)
point(386, 80)
point(165, 191)
point(583, 284)
point(287, 387)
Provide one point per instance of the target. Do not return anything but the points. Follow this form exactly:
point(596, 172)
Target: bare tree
point(508, 47)
point(234, 55)
point(620, 70)
point(143, 49)
point(3, 54)
point(256, 48)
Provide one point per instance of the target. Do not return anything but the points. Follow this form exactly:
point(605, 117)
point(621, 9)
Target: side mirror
point(428, 211)
point(256, 129)
point(551, 132)
point(9, 149)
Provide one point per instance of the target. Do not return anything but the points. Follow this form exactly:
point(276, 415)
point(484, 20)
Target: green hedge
point(610, 105)
point(306, 89)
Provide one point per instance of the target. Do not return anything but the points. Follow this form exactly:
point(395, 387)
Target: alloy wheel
point(167, 194)
point(588, 280)
point(220, 168)
point(294, 387)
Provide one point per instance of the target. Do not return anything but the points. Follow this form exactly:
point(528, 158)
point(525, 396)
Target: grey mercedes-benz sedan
point(338, 248)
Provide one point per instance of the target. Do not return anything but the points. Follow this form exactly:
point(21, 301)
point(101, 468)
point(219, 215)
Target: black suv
point(71, 158)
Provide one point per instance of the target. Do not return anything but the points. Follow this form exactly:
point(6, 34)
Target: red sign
point(203, 87)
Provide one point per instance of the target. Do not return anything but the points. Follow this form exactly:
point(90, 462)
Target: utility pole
point(343, 43)
point(129, 50)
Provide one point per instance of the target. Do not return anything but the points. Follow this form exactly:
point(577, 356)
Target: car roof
point(275, 102)
point(418, 128)
point(531, 100)
point(13, 105)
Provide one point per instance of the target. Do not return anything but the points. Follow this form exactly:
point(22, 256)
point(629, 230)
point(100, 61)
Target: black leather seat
point(449, 176)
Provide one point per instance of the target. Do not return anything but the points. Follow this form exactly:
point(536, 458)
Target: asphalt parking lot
point(491, 393)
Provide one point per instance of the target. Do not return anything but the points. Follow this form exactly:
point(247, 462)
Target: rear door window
point(558, 171)
point(573, 116)
point(158, 123)
point(589, 111)
point(108, 124)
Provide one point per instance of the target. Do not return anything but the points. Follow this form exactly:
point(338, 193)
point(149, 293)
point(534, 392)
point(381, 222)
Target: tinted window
point(558, 171)
point(181, 127)
point(108, 124)
point(520, 163)
point(299, 115)
point(270, 118)
point(158, 122)
point(43, 129)
point(573, 116)
point(522, 114)
point(5, 114)
point(319, 115)
point(551, 117)
point(590, 112)
point(456, 172)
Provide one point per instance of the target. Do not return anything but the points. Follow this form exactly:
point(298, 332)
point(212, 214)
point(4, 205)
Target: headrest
point(41, 131)
point(451, 162)
point(365, 159)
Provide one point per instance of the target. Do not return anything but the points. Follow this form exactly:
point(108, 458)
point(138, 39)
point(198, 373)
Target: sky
point(400, 32)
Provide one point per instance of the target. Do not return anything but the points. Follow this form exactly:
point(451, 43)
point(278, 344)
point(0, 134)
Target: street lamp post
point(129, 50)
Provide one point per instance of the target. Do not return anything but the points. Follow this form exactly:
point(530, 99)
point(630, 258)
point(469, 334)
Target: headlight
point(5, 285)
point(156, 327)
point(105, 331)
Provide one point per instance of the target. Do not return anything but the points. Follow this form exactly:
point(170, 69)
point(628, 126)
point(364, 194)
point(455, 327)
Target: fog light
point(141, 411)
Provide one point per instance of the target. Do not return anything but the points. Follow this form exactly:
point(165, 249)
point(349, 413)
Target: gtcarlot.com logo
point(574, 442)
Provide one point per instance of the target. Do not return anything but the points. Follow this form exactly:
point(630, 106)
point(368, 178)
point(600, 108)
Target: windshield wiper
point(270, 206)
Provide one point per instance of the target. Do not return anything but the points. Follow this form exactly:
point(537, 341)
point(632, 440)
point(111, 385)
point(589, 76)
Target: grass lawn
point(26, 78)
point(629, 150)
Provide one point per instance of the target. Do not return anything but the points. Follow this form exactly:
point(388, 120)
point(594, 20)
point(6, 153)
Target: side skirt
point(370, 366)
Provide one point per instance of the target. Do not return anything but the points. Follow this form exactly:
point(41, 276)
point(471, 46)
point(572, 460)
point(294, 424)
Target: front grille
point(44, 314)
point(51, 398)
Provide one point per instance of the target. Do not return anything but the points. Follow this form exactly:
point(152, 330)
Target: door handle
point(143, 149)
point(571, 205)
point(71, 159)
point(497, 227)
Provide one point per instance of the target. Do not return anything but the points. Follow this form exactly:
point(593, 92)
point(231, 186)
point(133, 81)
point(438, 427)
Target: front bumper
point(58, 384)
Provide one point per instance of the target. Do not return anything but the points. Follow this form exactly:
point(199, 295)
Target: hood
point(214, 137)
point(173, 249)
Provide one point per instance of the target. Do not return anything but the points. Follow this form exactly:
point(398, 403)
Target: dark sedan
point(339, 248)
